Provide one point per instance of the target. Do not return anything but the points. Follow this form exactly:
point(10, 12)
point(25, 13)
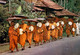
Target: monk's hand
point(42, 30)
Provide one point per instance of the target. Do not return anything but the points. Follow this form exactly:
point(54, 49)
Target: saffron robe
point(29, 35)
point(35, 35)
point(46, 33)
point(73, 26)
point(60, 33)
point(22, 38)
point(13, 37)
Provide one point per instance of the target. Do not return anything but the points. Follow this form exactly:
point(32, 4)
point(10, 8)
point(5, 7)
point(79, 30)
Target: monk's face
point(22, 22)
point(51, 21)
point(29, 23)
point(12, 23)
point(44, 22)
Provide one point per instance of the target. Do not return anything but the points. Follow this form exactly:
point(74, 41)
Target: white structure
point(77, 29)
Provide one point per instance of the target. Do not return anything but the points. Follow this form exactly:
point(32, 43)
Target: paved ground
point(65, 46)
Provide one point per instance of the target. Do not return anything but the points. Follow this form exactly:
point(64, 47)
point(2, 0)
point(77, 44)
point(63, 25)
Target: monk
point(22, 38)
point(52, 27)
point(16, 28)
point(30, 33)
point(46, 33)
point(13, 37)
point(36, 35)
point(54, 32)
point(40, 31)
point(73, 29)
point(60, 31)
point(67, 30)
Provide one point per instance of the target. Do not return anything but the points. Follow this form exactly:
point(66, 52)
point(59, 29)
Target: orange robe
point(13, 37)
point(46, 33)
point(54, 32)
point(73, 26)
point(22, 38)
point(50, 26)
point(60, 31)
point(35, 35)
point(67, 30)
point(29, 35)
point(40, 31)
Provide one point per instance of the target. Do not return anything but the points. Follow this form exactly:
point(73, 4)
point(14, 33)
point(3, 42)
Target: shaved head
point(22, 21)
point(12, 23)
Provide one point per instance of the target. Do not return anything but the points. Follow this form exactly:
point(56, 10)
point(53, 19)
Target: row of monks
point(41, 32)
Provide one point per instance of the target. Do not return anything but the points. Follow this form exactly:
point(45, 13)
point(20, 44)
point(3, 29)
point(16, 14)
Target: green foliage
point(19, 10)
point(4, 14)
point(71, 5)
point(27, 11)
point(4, 32)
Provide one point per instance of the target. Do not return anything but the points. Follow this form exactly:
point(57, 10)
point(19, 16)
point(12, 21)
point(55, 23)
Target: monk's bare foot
point(44, 42)
point(11, 51)
point(67, 35)
point(41, 44)
point(29, 47)
point(61, 37)
point(23, 49)
point(76, 34)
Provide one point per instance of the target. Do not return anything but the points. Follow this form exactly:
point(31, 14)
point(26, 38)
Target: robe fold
point(68, 30)
point(35, 35)
point(40, 31)
point(60, 31)
point(29, 35)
